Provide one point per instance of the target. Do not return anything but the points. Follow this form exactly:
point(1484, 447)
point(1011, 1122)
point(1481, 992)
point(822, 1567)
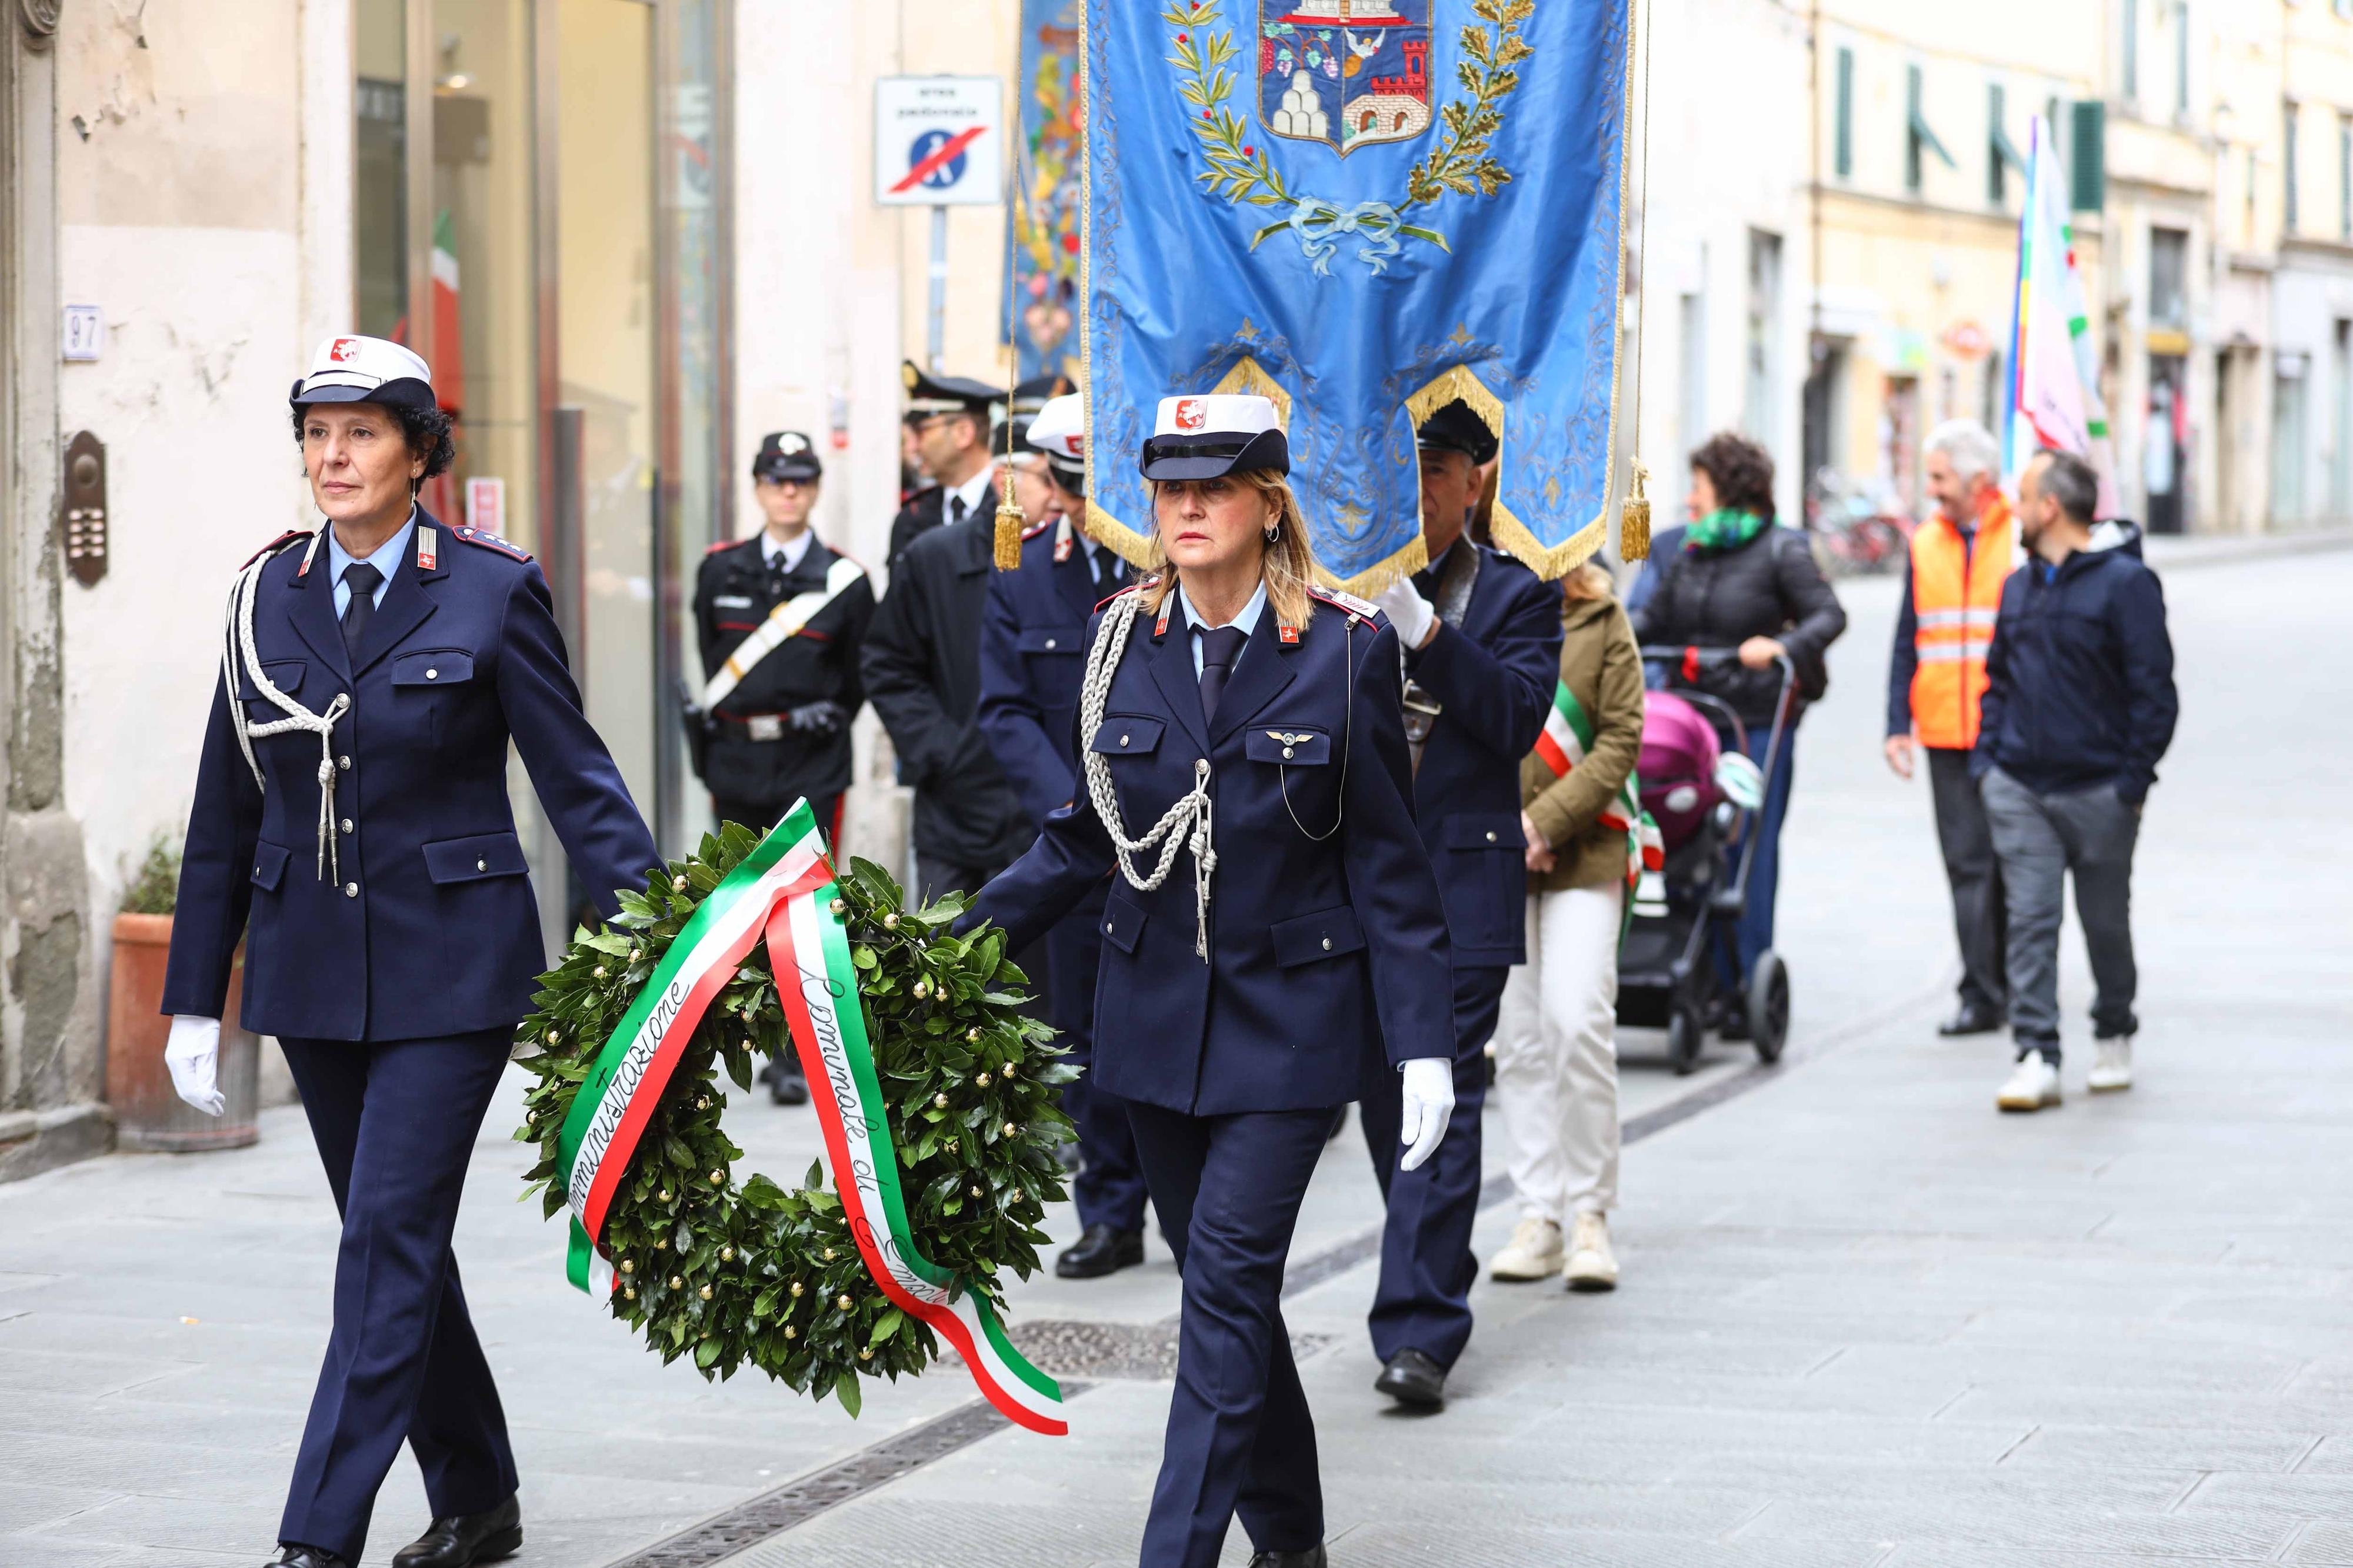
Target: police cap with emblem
point(1203, 436)
point(787, 454)
point(929, 397)
point(1457, 427)
point(1060, 432)
point(352, 369)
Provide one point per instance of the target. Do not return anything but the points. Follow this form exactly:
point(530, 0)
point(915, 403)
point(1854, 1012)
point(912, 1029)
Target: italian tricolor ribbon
point(1568, 737)
point(782, 894)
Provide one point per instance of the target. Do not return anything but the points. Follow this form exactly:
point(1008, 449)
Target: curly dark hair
point(1740, 471)
point(427, 431)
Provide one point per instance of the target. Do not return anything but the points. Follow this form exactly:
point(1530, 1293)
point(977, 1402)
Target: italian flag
point(2054, 395)
point(1567, 738)
point(449, 356)
point(781, 897)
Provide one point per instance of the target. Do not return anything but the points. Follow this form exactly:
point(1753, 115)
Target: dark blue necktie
point(1220, 645)
point(362, 579)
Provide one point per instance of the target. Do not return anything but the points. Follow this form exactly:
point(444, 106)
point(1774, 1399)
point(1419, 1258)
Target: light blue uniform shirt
point(386, 557)
point(1246, 620)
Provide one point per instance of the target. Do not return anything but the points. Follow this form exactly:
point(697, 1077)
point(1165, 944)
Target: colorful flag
point(1364, 210)
point(1043, 205)
point(2054, 384)
point(449, 356)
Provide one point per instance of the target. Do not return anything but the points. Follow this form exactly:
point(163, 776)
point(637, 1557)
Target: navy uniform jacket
point(1033, 644)
point(432, 929)
point(734, 592)
point(1316, 947)
point(1493, 677)
point(921, 668)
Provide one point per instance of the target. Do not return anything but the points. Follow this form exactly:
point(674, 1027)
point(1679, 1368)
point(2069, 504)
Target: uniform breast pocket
point(1303, 759)
point(1050, 658)
point(1147, 774)
point(285, 674)
point(426, 686)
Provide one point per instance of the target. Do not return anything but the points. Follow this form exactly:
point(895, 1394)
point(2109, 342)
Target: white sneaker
point(1591, 1265)
point(1533, 1254)
point(2033, 1084)
point(2113, 1069)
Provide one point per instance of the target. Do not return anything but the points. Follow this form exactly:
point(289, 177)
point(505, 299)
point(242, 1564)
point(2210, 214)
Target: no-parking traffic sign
point(937, 141)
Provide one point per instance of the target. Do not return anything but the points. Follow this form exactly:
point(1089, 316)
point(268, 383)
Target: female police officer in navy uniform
point(351, 826)
point(1271, 910)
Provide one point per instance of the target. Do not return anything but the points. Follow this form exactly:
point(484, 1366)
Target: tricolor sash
point(782, 893)
point(1567, 738)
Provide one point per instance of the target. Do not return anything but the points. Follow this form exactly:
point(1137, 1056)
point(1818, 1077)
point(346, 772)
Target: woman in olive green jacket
point(1555, 1046)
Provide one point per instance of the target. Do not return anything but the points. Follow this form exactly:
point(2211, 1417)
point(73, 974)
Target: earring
point(1274, 533)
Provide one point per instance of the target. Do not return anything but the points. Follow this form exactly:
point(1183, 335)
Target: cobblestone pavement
point(1866, 1319)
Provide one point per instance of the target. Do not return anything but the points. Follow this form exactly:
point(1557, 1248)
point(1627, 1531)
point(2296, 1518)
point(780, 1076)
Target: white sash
point(784, 622)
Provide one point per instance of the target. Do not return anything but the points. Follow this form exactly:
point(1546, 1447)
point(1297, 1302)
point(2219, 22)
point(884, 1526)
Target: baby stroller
point(1666, 970)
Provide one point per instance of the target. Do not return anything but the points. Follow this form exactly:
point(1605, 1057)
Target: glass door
point(605, 422)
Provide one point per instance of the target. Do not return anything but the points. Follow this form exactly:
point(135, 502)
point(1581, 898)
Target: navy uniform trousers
point(1110, 1186)
point(395, 1124)
point(1423, 1299)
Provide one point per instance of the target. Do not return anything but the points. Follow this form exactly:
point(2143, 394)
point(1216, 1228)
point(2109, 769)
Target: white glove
point(1408, 611)
point(1429, 1090)
point(193, 1053)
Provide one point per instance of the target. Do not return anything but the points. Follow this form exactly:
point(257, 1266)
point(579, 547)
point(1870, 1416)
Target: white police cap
point(351, 369)
point(1201, 436)
point(1059, 431)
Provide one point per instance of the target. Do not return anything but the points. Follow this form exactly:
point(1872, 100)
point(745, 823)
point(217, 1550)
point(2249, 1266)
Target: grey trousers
point(1974, 873)
point(2040, 839)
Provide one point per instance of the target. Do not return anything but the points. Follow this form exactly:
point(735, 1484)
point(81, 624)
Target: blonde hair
point(1586, 581)
point(1287, 567)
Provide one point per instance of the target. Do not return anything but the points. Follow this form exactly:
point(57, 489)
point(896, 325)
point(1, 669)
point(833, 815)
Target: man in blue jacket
point(2078, 707)
point(1481, 638)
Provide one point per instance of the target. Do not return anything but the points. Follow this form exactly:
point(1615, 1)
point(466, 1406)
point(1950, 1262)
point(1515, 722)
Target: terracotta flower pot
point(147, 1114)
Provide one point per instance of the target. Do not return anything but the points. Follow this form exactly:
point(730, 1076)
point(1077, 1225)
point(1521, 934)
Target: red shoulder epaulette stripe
point(1131, 588)
point(1345, 600)
point(1034, 530)
point(492, 541)
point(723, 544)
point(289, 537)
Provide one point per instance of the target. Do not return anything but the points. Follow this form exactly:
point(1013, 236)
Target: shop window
point(2169, 278)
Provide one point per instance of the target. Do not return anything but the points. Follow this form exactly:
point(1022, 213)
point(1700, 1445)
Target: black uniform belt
point(759, 726)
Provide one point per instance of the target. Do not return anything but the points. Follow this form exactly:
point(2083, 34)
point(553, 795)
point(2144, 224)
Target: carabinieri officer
point(1481, 635)
point(1271, 913)
point(1033, 640)
point(351, 826)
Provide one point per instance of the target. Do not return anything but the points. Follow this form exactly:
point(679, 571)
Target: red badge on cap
point(346, 349)
point(1191, 414)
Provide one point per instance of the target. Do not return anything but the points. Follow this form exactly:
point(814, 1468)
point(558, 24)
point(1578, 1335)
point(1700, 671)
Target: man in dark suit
point(1032, 650)
point(951, 418)
point(1482, 635)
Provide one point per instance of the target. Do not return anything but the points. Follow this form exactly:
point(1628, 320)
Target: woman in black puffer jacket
point(1735, 580)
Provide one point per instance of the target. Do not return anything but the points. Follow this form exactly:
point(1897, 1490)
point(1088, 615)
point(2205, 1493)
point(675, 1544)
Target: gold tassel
point(1633, 522)
point(1010, 525)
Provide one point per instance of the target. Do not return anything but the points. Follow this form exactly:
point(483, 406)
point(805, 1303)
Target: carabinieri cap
point(787, 454)
point(364, 370)
point(1457, 427)
point(928, 397)
point(1203, 436)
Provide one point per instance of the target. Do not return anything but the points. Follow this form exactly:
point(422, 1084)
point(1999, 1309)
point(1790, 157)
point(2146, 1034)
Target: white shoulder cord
point(1184, 823)
point(239, 652)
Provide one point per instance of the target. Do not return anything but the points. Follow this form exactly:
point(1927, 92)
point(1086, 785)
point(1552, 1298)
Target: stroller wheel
point(1768, 1006)
point(1685, 1038)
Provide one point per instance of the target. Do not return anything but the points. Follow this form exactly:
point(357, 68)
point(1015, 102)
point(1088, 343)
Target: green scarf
point(1721, 531)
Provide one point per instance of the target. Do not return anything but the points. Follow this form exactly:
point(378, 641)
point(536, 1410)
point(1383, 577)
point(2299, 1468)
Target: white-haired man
point(1936, 674)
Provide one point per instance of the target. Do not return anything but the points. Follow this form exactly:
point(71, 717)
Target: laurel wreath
point(758, 1275)
point(1462, 165)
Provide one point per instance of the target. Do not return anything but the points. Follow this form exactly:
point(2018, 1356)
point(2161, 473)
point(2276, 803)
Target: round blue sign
point(947, 174)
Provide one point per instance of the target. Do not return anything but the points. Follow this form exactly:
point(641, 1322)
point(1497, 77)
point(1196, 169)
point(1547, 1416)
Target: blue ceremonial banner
point(1362, 209)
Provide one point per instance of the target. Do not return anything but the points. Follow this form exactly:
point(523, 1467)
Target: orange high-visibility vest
point(1956, 594)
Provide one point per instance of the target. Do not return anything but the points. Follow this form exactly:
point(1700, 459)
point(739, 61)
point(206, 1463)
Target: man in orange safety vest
point(1952, 590)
